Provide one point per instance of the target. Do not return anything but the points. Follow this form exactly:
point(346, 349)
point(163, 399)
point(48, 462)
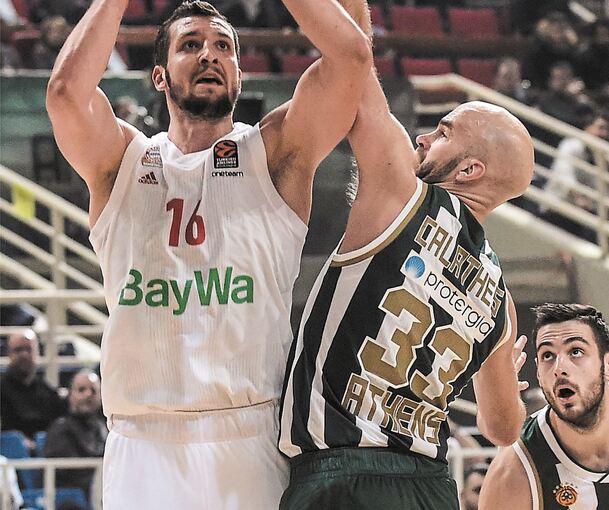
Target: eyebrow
point(567, 341)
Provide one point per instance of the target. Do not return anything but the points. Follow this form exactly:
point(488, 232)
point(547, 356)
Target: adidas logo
point(148, 179)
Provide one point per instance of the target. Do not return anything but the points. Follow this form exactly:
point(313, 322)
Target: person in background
point(562, 457)
point(81, 433)
point(472, 484)
point(28, 403)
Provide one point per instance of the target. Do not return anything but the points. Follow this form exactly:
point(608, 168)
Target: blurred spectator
point(28, 403)
point(81, 433)
point(555, 40)
point(53, 33)
point(595, 70)
point(509, 82)
point(472, 483)
point(9, 56)
point(70, 10)
point(565, 96)
point(128, 109)
point(565, 174)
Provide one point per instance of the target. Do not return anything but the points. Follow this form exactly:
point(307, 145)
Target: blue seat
point(40, 438)
point(34, 498)
point(13, 446)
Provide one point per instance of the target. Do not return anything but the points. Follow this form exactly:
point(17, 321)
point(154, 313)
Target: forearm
point(328, 26)
point(83, 58)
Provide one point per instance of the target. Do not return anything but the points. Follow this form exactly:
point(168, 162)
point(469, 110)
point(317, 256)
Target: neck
point(193, 135)
point(479, 206)
point(589, 447)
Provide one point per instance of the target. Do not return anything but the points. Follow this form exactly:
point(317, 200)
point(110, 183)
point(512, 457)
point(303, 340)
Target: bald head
point(487, 157)
point(23, 353)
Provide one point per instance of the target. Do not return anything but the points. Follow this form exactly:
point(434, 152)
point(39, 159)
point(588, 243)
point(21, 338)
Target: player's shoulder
point(506, 484)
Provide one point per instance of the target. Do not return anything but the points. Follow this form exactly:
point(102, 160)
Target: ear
point(471, 170)
point(158, 78)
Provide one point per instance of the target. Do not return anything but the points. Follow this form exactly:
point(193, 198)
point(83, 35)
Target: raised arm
point(90, 137)
point(385, 157)
point(501, 412)
point(301, 133)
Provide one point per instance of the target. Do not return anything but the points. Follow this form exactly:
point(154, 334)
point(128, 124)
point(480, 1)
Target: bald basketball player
point(408, 309)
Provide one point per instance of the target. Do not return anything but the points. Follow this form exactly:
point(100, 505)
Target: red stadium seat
point(377, 17)
point(22, 7)
point(136, 11)
point(416, 20)
point(473, 22)
point(385, 67)
point(255, 63)
point(296, 64)
point(480, 70)
point(425, 66)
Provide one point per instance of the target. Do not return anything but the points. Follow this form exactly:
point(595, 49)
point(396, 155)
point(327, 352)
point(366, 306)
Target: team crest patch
point(226, 154)
point(566, 494)
point(152, 157)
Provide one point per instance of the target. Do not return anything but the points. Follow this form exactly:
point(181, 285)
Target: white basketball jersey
point(199, 255)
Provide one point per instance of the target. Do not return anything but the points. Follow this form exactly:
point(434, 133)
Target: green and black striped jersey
point(556, 481)
point(392, 333)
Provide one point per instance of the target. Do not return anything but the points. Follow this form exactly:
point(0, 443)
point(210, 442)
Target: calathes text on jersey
point(166, 292)
point(460, 263)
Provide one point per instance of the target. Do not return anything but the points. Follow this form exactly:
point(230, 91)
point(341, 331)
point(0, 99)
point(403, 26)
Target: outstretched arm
point(384, 153)
point(91, 138)
point(301, 133)
point(501, 412)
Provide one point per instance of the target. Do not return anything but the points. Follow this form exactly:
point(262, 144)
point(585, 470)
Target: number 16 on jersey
point(195, 228)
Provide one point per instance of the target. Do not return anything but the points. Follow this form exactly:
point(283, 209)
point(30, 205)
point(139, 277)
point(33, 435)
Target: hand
point(519, 357)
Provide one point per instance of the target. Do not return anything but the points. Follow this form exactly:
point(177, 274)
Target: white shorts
point(225, 460)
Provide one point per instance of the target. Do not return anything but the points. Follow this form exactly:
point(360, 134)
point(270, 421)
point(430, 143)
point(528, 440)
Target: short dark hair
point(184, 10)
point(480, 469)
point(553, 313)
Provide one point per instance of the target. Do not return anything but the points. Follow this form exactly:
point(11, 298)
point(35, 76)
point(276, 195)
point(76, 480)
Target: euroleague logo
point(226, 154)
point(566, 494)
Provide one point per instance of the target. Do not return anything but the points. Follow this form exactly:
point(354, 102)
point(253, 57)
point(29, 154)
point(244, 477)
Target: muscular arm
point(91, 138)
point(501, 412)
point(299, 134)
point(505, 486)
point(384, 154)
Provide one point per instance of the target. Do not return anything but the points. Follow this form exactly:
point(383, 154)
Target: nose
point(423, 141)
point(561, 366)
point(206, 54)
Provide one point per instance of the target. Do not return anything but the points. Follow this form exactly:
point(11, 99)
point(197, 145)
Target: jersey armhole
point(133, 151)
point(532, 475)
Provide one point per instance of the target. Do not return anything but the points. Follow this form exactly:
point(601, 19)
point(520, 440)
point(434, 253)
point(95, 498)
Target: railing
point(597, 221)
point(49, 465)
point(52, 292)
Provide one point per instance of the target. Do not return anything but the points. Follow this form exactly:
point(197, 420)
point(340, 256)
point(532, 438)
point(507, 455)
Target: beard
point(592, 403)
point(433, 173)
point(202, 108)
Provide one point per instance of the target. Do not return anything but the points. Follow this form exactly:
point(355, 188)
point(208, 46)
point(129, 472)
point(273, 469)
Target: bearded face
point(208, 108)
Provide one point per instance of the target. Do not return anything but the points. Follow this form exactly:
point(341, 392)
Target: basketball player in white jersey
point(561, 459)
point(199, 233)
point(387, 339)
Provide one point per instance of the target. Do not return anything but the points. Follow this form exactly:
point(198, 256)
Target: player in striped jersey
point(199, 233)
point(562, 457)
point(408, 309)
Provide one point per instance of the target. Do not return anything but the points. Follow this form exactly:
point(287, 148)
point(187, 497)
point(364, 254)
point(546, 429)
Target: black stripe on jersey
point(304, 371)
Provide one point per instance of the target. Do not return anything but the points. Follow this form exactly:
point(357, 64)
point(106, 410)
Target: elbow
point(58, 95)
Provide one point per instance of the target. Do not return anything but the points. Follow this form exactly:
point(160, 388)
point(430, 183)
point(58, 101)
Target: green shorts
point(368, 478)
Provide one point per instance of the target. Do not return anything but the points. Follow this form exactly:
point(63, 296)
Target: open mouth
point(209, 80)
point(565, 393)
